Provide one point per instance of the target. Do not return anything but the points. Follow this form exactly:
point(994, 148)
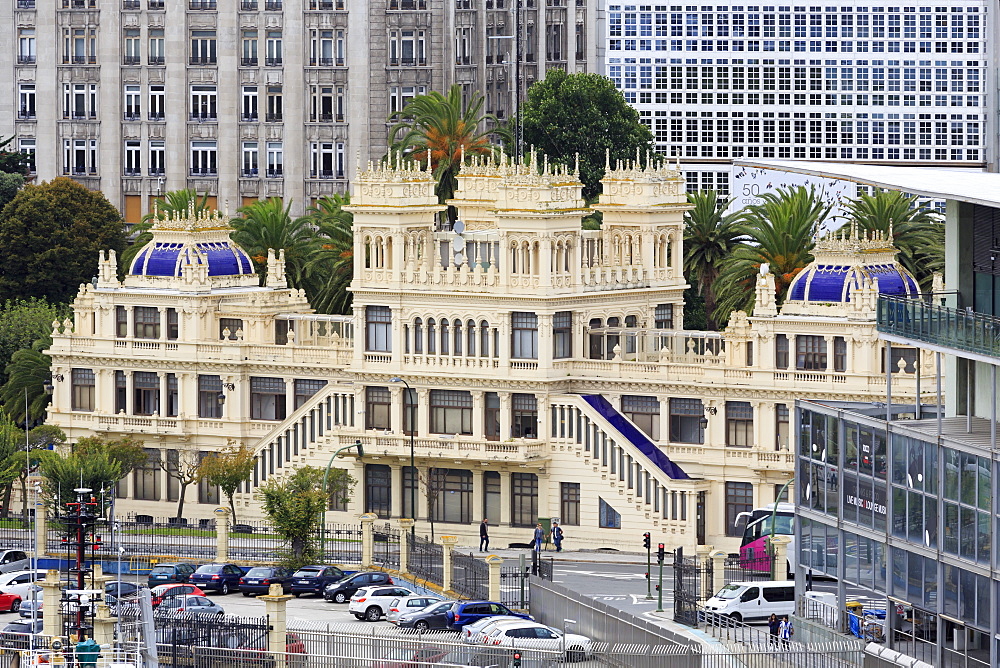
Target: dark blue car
point(314, 579)
point(464, 613)
point(222, 578)
point(258, 580)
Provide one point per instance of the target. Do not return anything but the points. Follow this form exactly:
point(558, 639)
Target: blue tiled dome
point(822, 282)
point(166, 258)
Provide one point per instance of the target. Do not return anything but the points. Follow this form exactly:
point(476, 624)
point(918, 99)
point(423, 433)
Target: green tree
point(27, 374)
point(710, 235)
point(570, 115)
point(14, 454)
point(445, 130)
point(22, 322)
point(781, 233)
point(267, 225)
point(13, 162)
point(9, 185)
point(330, 266)
point(294, 504)
point(51, 234)
point(94, 463)
point(172, 201)
point(229, 469)
point(185, 468)
point(916, 231)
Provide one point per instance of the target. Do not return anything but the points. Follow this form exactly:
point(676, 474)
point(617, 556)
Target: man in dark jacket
point(484, 536)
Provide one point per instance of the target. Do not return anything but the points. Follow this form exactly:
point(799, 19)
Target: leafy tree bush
point(93, 463)
point(228, 470)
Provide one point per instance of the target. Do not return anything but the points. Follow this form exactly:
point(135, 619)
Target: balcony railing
point(201, 117)
point(25, 113)
point(249, 118)
point(133, 115)
point(156, 60)
point(202, 5)
point(940, 325)
point(272, 118)
point(154, 4)
point(326, 174)
point(321, 62)
point(25, 4)
point(248, 62)
point(156, 115)
point(157, 171)
point(326, 118)
point(131, 60)
point(204, 171)
point(25, 59)
point(202, 60)
point(272, 62)
point(407, 61)
point(132, 171)
point(248, 5)
point(407, 4)
point(131, 4)
point(272, 5)
point(276, 173)
point(326, 5)
point(249, 173)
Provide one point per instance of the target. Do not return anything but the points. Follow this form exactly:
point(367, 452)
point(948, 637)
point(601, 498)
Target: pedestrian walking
point(484, 535)
point(539, 537)
point(773, 626)
point(557, 536)
point(785, 631)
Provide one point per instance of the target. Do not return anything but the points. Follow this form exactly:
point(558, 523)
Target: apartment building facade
point(266, 97)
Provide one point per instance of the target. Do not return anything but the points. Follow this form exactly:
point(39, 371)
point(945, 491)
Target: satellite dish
point(458, 227)
point(458, 244)
point(459, 259)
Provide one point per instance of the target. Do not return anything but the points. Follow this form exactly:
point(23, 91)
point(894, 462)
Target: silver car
point(404, 604)
point(189, 605)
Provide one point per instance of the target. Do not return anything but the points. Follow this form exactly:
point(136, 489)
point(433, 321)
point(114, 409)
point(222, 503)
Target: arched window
point(484, 338)
point(457, 335)
point(418, 336)
point(431, 337)
point(470, 338)
point(444, 337)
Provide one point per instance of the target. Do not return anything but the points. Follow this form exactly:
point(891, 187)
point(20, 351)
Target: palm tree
point(916, 231)
point(267, 225)
point(27, 374)
point(710, 235)
point(173, 201)
point(780, 232)
point(328, 270)
point(444, 130)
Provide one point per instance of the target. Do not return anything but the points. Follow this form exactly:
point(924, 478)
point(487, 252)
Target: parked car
point(16, 635)
point(195, 605)
point(434, 616)
point(14, 560)
point(163, 592)
point(170, 574)
point(20, 582)
point(371, 603)
point(314, 579)
point(258, 580)
point(471, 633)
point(398, 607)
point(121, 589)
point(10, 602)
point(343, 590)
point(31, 606)
point(467, 612)
point(222, 578)
point(532, 635)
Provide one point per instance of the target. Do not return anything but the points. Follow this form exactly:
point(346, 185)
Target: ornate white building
point(535, 369)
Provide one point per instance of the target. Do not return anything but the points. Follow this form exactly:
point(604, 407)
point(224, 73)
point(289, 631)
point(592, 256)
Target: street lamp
point(326, 502)
point(413, 465)
point(710, 410)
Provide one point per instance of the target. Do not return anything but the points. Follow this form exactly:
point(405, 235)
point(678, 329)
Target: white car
point(532, 635)
point(472, 633)
point(371, 603)
point(400, 606)
point(20, 582)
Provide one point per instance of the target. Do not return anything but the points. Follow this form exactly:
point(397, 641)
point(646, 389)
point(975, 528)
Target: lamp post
point(326, 477)
point(413, 465)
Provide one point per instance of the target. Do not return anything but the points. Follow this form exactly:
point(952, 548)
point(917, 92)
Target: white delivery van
point(754, 601)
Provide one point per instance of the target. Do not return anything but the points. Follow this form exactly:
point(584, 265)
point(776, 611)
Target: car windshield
point(209, 568)
point(306, 573)
point(258, 572)
point(729, 591)
point(440, 607)
point(161, 570)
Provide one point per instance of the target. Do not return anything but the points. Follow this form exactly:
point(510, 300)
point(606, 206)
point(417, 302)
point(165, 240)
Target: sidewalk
point(568, 556)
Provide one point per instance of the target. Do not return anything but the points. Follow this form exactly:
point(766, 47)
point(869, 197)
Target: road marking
point(610, 576)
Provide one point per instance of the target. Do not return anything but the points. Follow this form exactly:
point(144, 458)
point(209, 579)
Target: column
point(51, 593)
point(495, 563)
point(397, 343)
point(405, 527)
point(505, 401)
point(396, 483)
point(161, 384)
point(677, 253)
point(793, 356)
point(187, 391)
point(448, 543)
point(779, 568)
point(289, 395)
point(828, 341)
point(423, 411)
point(545, 260)
point(274, 608)
point(478, 415)
point(545, 341)
point(759, 412)
point(478, 495)
point(367, 540)
point(222, 534)
point(505, 498)
point(544, 432)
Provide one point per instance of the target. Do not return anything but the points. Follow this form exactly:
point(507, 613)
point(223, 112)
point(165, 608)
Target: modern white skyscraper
point(883, 82)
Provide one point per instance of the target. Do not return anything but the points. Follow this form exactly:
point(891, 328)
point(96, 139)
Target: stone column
point(274, 607)
point(41, 528)
point(545, 341)
point(478, 415)
point(423, 411)
point(396, 484)
point(104, 625)
point(367, 540)
point(448, 543)
point(494, 563)
point(779, 570)
point(51, 593)
point(505, 498)
point(222, 534)
point(718, 558)
point(505, 401)
point(405, 526)
point(478, 493)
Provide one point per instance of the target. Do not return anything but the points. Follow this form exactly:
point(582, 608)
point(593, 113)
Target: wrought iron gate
point(692, 579)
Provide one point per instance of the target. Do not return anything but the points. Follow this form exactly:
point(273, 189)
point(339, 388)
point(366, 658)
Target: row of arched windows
point(452, 337)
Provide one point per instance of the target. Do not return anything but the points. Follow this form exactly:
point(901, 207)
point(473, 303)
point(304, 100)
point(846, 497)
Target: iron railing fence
point(932, 323)
point(749, 569)
point(426, 559)
point(182, 632)
point(16, 532)
point(254, 541)
point(386, 546)
point(546, 568)
point(470, 576)
point(692, 582)
point(147, 535)
point(514, 589)
point(342, 544)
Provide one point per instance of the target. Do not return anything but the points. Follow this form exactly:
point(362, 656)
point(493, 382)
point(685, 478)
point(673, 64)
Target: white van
point(754, 601)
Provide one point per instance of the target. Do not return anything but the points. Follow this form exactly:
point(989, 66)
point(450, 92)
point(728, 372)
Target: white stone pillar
point(505, 498)
point(505, 415)
point(478, 414)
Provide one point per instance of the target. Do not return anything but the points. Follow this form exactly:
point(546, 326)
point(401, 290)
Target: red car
point(165, 591)
point(9, 602)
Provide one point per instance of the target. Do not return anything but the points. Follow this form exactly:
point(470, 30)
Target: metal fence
point(749, 569)
point(169, 537)
point(692, 579)
point(16, 532)
point(386, 546)
point(514, 589)
point(470, 576)
point(178, 634)
point(426, 559)
point(342, 544)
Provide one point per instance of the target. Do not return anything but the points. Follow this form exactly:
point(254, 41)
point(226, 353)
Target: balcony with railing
point(249, 118)
point(154, 4)
point(131, 60)
point(248, 5)
point(157, 171)
point(272, 5)
point(404, 5)
point(275, 173)
point(272, 62)
point(204, 171)
point(203, 116)
point(407, 62)
point(202, 5)
point(131, 4)
point(156, 115)
point(202, 60)
point(24, 59)
point(156, 60)
point(25, 4)
point(25, 113)
point(326, 5)
point(931, 322)
point(272, 118)
point(248, 62)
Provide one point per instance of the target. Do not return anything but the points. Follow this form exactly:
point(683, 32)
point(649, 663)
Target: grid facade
point(267, 97)
point(895, 84)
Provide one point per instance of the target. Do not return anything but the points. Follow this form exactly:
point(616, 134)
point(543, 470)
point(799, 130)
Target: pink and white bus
point(761, 523)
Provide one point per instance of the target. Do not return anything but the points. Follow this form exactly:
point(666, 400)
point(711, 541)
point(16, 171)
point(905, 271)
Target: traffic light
point(660, 553)
point(645, 540)
point(516, 663)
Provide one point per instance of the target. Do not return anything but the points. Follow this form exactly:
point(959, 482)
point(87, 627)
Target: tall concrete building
point(267, 97)
point(894, 83)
